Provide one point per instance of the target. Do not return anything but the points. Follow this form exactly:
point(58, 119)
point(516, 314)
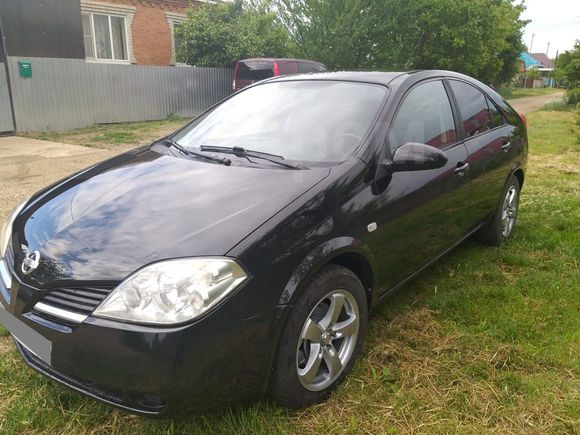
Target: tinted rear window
point(255, 70)
point(473, 108)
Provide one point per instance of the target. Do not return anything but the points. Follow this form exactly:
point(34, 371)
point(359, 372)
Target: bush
point(573, 97)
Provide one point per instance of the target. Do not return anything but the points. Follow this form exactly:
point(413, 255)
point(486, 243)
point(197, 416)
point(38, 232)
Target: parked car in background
point(241, 254)
point(250, 71)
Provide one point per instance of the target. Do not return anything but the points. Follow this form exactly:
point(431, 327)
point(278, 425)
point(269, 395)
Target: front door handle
point(506, 146)
point(461, 169)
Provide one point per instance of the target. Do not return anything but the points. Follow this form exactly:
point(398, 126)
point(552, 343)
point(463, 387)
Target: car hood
point(140, 207)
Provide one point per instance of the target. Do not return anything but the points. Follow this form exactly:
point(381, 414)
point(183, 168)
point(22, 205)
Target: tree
point(481, 38)
point(568, 66)
point(220, 34)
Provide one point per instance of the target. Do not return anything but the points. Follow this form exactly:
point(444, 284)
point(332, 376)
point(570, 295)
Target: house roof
point(543, 60)
point(529, 61)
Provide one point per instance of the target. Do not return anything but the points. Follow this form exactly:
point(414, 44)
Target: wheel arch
point(347, 252)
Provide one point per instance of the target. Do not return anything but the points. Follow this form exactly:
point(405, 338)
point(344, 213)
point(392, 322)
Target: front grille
point(80, 300)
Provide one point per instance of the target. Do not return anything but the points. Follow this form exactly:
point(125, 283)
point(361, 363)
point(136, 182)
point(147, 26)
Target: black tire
point(494, 231)
point(286, 386)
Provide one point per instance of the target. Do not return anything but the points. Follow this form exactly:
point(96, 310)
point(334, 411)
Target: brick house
point(133, 31)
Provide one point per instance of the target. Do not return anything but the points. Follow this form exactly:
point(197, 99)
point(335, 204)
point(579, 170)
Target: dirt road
point(529, 104)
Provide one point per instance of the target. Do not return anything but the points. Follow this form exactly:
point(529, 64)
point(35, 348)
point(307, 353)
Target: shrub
point(573, 97)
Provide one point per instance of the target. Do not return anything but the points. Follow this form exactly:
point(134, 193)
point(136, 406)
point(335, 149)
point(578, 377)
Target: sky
point(553, 21)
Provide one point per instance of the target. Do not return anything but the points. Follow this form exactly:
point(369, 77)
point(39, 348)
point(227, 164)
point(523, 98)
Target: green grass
point(487, 340)
point(111, 135)
point(515, 93)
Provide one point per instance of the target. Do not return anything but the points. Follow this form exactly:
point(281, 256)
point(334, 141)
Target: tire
point(501, 225)
point(310, 337)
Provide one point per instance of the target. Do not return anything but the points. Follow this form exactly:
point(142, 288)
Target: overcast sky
point(553, 21)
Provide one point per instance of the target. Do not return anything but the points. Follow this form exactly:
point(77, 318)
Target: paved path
point(529, 104)
point(28, 165)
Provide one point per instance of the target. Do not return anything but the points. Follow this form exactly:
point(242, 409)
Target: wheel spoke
point(346, 327)
point(309, 372)
point(311, 331)
point(336, 304)
point(332, 360)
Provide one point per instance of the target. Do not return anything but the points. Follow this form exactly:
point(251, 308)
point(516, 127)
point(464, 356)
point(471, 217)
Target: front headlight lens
point(173, 291)
point(6, 232)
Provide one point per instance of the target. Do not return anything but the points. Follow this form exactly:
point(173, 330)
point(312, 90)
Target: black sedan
point(241, 255)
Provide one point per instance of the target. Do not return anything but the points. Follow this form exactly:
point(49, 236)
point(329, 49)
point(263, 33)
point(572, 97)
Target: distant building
point(539, 62)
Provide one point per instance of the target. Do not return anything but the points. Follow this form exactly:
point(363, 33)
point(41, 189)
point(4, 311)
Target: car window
point(425, 117)
point(496, 116)
point(308, 67)
point(307, 120)
point(473, 108)
point(289, 68)
point(254, 70)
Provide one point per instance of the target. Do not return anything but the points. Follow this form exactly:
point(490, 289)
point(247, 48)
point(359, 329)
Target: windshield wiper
point(187, 152)
point(242, 152)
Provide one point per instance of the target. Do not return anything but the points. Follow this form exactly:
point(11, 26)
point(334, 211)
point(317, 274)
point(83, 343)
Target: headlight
point(6, 232)
point(173, 291)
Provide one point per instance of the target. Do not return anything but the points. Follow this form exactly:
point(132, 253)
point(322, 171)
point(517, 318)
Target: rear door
point(487, 139)
point(420, 214)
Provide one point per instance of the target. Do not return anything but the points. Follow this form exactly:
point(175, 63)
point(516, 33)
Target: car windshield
point(314, 120)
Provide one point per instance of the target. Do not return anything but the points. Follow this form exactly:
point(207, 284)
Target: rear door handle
point(506, 146)
point(461, 170)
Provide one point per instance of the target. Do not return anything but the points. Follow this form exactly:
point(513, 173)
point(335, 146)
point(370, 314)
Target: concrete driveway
point(27, 165)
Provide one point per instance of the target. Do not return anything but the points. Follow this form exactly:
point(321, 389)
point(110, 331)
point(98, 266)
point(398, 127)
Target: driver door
point(421, 213)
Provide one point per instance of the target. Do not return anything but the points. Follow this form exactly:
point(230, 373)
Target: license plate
point(28, 337)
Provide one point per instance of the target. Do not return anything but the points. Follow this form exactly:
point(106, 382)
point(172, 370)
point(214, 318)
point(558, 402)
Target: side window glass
point(290, 68)
point(473, 108)
point(496, 116)
point(424, 116)
point(306, 67)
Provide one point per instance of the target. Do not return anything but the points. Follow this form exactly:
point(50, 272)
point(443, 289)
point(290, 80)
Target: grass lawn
point(112, 135)
point(515, 93)
point(487, 340)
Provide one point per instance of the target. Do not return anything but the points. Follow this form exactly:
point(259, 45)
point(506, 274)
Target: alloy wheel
point(327, 340)
point(509, 211)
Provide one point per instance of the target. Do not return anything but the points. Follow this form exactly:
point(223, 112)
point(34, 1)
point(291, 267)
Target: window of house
point(425, 117)
point(105, 37)
point(178, 42)
point(473, 108)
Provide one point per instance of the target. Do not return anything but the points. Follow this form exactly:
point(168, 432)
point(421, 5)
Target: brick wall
point(151, 36)
point(152, 39)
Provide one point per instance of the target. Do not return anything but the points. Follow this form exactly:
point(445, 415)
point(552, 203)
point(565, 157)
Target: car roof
point(393, 78)
point(277, 59)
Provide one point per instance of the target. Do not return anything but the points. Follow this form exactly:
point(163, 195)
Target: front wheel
point(321, 339)
point(502, 223)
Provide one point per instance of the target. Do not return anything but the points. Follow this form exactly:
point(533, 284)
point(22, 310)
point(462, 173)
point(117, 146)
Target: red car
point(249, 71)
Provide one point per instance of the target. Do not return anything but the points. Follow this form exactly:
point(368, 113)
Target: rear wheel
point(502, 223)
point(321, 339)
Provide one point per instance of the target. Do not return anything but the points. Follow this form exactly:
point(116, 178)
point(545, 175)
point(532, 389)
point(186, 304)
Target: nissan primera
point(240, 255)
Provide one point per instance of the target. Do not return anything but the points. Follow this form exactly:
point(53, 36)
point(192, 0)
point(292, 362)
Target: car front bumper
point(220, 358)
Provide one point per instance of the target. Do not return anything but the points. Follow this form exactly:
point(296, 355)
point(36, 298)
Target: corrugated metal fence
point(69, 93)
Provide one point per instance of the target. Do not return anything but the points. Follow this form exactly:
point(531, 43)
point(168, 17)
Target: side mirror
point(417, 157)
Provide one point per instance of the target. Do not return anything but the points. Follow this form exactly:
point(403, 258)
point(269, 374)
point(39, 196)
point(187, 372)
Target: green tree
point(481, 38)
point(568, 66)
point(220, 34)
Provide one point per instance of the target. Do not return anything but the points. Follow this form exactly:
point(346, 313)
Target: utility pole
point(548, 49)
point(532, 43)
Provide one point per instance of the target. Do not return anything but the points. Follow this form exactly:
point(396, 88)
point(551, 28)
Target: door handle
point(461, 170)
point(506, 146)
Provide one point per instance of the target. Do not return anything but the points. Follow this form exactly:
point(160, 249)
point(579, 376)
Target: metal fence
point(69, 93)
